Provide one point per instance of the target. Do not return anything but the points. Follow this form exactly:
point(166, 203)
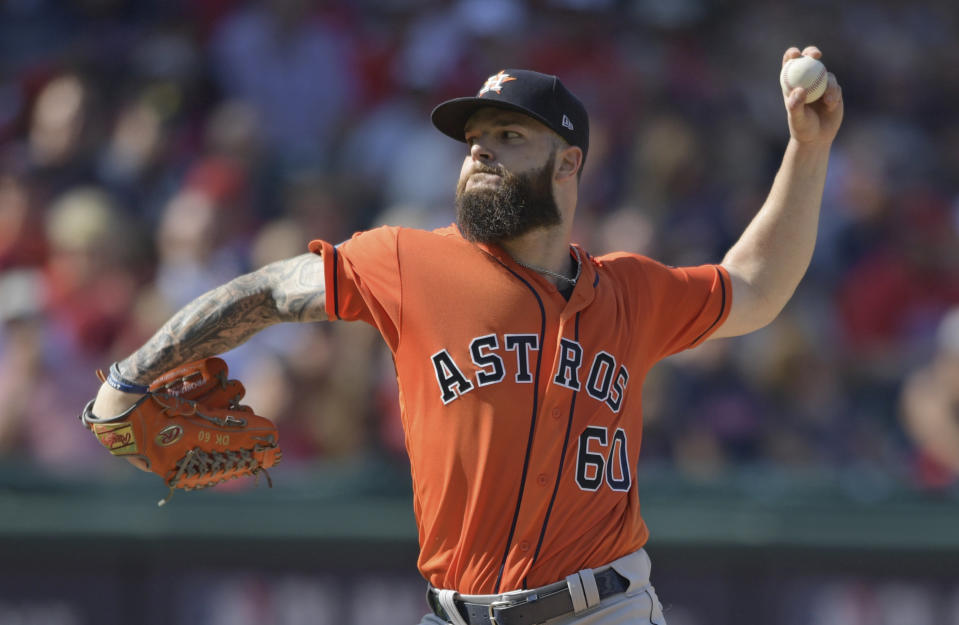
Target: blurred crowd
point(153, 149)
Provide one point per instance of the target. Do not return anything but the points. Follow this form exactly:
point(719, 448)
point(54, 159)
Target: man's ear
point(568, 162)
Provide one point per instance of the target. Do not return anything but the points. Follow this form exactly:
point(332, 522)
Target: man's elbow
point(755, 304)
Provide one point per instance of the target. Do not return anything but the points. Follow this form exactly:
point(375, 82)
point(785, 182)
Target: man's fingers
point(794, 52)
point(790, 54)
point(833, 95)
point(796, 98)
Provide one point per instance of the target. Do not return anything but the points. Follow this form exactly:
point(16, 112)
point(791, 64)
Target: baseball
point(805, 72)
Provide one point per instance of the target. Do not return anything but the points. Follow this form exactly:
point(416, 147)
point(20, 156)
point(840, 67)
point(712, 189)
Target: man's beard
point(521, 203)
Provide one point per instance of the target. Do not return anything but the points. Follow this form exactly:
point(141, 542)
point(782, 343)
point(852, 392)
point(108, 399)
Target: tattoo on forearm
point(227, 316)
point(299, 288)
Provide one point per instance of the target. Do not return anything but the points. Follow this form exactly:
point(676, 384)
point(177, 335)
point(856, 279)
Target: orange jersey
point(522, 410)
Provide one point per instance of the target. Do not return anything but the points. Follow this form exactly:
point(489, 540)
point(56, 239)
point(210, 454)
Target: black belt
point(540, 609)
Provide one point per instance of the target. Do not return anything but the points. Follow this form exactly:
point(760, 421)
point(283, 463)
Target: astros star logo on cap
point(495, 82)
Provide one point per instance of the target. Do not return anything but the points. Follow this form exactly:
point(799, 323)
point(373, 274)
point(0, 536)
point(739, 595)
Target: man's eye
point(511, 134)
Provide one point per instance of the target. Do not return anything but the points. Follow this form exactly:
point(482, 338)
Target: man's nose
point(479, 151)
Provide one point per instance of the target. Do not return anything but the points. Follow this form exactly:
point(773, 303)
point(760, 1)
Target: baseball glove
point(190, 429)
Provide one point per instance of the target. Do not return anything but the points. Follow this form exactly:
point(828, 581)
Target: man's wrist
point(809, 154)
point(116, 380)
point(820, 145)
point(111, 402)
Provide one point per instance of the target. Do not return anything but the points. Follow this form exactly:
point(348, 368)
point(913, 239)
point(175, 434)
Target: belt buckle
point(492, 606)
point(508, 603)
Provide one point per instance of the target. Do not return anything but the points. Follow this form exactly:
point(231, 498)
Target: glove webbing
point(199, 462)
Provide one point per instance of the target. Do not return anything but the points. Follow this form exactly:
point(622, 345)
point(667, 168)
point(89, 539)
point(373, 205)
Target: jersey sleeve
point(677, 308)
point(363, 280)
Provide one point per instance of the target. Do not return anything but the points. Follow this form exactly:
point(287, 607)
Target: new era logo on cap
point(540, 96)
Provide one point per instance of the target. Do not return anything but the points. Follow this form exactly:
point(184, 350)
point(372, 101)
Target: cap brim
point(450, 117)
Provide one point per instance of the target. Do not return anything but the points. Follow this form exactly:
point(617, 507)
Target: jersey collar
point(583, 292)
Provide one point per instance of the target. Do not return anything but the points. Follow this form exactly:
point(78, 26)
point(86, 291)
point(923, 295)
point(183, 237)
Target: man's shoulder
point(626, 261)
point(630, 269)
point(421, 240)
point(394, 231)
point(403, 242)
point(445, 233)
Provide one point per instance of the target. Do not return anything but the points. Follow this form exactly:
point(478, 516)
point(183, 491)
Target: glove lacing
point(197, 462)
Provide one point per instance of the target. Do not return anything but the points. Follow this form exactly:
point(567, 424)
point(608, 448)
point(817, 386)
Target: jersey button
point(541, 479)
point(556, 413)
point(524, 546)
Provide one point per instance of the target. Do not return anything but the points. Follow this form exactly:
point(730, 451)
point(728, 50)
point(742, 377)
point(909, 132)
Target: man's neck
point(544, 249)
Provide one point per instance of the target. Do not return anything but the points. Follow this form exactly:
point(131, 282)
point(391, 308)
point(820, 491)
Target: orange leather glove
point(190, 429)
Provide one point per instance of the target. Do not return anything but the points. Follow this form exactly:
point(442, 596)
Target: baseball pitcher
point(520, 357)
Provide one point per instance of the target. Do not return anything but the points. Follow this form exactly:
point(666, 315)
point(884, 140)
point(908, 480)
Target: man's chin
point(490, 236)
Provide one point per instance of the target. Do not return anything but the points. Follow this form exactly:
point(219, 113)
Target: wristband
point(116, 381)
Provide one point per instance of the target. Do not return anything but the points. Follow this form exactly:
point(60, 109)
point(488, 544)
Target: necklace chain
point(572, 281)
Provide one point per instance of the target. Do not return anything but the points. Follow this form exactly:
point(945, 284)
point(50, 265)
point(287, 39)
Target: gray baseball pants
point(637, 606)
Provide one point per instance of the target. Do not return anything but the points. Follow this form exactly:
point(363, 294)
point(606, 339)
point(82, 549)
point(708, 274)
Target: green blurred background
point(338, 545)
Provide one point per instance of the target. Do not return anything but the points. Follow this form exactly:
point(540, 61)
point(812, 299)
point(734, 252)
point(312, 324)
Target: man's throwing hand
point(817, 121)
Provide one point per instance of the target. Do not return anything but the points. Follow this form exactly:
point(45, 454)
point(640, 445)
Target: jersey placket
point(559, 387)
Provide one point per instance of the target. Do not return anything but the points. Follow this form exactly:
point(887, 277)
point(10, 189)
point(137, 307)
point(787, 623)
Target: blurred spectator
point(21, 228)
point(131, 163)
point(57, 323)
point(58, 122)
point(91, 273)
point(892, 295)
point(202, 232)
point(20, 354)
point(294, 67)
point(387, 148)
point(930, 408)
point(62, 134)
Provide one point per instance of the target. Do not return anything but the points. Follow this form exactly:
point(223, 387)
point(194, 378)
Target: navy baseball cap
point(541, 96)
